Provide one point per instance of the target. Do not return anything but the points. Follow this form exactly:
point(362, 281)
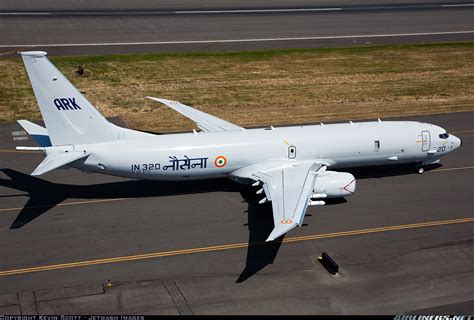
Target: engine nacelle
point(335, 184)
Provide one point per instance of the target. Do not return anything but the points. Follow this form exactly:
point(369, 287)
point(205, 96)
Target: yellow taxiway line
point(230, 246)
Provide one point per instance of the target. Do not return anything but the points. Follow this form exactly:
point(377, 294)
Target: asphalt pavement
point(118, 27)
point(404, 242)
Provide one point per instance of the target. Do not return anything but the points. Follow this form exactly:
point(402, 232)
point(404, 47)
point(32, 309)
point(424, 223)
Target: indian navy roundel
point(220, 161)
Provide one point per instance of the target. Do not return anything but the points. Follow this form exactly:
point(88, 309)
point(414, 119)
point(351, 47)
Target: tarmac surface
point(120, 26)
point(404, 242)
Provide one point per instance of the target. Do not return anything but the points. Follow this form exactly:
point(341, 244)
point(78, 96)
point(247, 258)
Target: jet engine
point(333, 184)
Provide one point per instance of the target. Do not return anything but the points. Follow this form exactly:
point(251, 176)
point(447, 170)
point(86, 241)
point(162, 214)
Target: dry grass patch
point(263, 87)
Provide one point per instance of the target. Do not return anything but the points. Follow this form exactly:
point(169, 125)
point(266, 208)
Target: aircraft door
point(425, 140)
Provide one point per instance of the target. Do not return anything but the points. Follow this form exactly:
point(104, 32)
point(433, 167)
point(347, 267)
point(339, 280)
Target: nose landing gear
point(419, 168)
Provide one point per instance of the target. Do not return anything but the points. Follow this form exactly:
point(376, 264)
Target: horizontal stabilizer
point(54, 161)
point(38, 133)
point(31, 149)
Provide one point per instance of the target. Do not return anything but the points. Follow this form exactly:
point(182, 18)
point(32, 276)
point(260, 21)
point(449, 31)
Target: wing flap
point(204, 121)
point(54, 161)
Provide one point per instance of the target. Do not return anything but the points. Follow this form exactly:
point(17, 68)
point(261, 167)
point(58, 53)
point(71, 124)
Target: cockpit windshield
point(444, 135)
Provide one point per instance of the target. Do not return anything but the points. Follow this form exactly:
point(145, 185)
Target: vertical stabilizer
point(69, 117)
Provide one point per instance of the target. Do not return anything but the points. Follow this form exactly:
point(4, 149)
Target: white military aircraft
point(288, 163)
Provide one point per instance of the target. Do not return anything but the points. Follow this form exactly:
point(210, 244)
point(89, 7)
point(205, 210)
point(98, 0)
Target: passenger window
point(376, 145)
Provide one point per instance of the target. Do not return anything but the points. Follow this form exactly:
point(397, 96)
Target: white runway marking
point(255, 10)
point(24, 13)
point(240, 10)
point(235, 40)
point(457, 5)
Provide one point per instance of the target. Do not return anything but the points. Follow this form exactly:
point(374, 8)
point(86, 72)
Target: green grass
point(262, 87)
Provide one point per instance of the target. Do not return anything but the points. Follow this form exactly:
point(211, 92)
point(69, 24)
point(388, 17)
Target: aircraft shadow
point(386, 170)
point(260, 224)
point(260, 218)
point(45, 195)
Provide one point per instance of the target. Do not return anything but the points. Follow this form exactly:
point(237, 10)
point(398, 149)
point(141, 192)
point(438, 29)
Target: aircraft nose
point(457, 142)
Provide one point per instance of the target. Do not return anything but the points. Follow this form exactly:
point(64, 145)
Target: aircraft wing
point(204, 121)
point(289, 188)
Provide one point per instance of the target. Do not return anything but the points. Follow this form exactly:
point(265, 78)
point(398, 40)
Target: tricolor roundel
point(220, 161)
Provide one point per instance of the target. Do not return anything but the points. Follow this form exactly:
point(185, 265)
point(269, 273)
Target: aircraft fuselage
point(209, 155)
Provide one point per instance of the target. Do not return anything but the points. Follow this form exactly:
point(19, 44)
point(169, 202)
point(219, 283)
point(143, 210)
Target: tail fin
point(68, 116)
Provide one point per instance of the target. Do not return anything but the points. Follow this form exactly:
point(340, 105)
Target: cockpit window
point(444, 135)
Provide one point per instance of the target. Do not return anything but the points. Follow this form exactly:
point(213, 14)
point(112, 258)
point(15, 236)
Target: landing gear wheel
point(421, 170)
